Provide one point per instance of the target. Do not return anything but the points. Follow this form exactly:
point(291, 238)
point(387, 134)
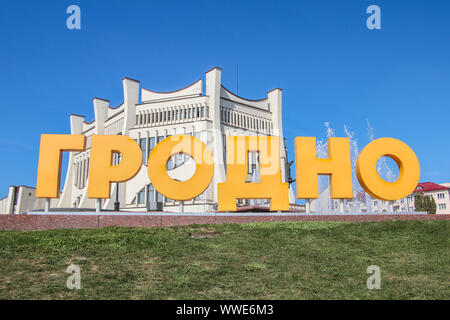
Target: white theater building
point(204, 109)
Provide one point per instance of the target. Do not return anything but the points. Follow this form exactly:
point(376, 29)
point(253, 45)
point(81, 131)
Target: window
point(151, 143)
point(179, 159)
point(141, 196)
point(151, 193)
point(441, 196)
point(442, 206)
point(170, 164)
point(159, 197)
point(116, 157)
point(143, 145)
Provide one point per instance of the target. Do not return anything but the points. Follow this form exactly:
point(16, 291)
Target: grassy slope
point(314, 260)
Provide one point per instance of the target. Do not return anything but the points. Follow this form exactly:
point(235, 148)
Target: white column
point(47, 205)
point(130, 99)
point(98, 205)
point(81, 186)
point(146, 196)
point(147, 147)
point(101, 114)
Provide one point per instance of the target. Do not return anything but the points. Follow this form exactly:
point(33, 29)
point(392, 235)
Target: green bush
point(424, 203)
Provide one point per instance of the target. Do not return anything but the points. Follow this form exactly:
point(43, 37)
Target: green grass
point(305, 260)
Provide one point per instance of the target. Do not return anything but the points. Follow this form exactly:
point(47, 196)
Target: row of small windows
point(245, 121)
point(377, 202)
point(440, 196)
point(167, 115)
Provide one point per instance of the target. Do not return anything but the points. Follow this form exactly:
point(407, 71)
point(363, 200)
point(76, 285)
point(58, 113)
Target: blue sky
point(330, 66)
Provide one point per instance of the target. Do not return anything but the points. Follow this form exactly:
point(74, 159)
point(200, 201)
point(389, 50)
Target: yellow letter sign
point(180, 190)
point(102, 172)
point(49, 167)
point(408, 169)
point(270, 185)
point(337, 166)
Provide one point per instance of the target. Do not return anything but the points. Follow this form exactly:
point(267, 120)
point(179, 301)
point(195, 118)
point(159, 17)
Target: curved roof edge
point(192, 89)
point(113, 108)
point(261, 104)
point(235, 95)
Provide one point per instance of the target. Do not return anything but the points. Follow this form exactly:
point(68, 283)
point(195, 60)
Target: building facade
point(208, 111)
point(22, 199)
point(362, 202)
point(439, 192)
point(204, 109)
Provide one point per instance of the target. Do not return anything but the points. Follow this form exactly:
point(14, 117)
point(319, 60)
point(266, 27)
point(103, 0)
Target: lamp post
point(117, 203)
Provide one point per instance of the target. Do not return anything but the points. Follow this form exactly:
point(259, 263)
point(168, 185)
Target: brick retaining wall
point(73, 221)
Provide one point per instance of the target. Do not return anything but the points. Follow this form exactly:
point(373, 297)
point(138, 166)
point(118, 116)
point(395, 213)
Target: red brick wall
point(45, 222)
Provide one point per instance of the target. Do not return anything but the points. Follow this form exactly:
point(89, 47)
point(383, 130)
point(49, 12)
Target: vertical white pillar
point(213, 91)
point(146, 196)
point(308, 205)
point(130, 99)
point(47, 205)
point(98, 205)
point(341, 205)
point(181, 206)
